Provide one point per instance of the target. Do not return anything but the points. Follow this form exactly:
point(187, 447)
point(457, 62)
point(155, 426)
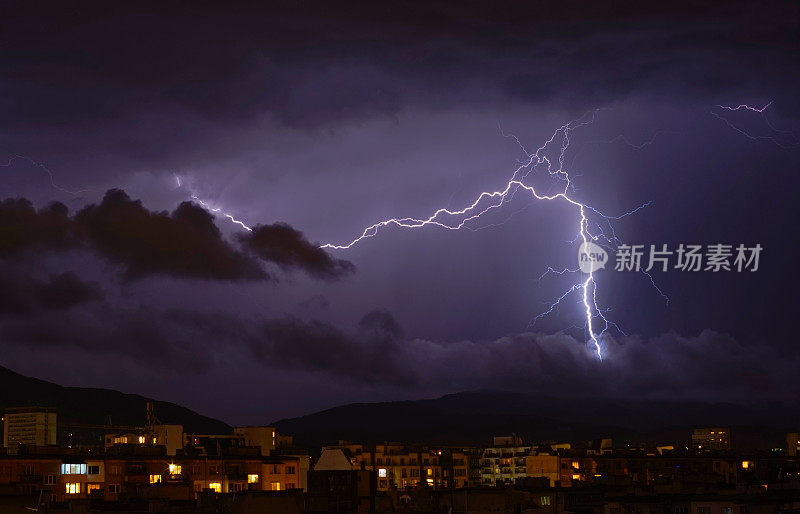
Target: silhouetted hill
point(474, 417)
point(95, 406)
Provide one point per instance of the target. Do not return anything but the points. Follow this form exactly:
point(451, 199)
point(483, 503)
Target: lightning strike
point(588, 229)
point(782, 138)
point(47, 170)
point(216, 210)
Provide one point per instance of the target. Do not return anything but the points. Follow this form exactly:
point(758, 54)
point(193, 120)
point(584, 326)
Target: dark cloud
point(288, 248)
point(24, 294)
point(185, 243)
point(310, 65)
point(367, 356)
point(23, 228)
point(66, 290)
point(161, 340)
point(709, 366)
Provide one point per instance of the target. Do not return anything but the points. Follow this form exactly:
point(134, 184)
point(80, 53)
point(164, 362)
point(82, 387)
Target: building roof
point(333, 459)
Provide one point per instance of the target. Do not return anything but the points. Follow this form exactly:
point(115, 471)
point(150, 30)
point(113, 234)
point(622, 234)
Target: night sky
point(309, 121)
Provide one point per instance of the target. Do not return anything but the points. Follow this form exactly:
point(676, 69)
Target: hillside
point(474, 417)
point(96, 406)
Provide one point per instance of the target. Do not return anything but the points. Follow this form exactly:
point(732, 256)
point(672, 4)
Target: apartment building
point(504, 461)
point(66, 477)
point(34, 426)
point(400, 466)
point(711, 439)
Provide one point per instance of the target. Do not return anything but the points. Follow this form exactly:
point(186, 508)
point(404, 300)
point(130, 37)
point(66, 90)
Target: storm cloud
point(185, 243)
point(309, 121)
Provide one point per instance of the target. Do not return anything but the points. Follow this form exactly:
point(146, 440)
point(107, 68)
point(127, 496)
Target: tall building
point(35, 426)
point(504, 461)
point(262, 437)
point(711, 439)
point(792, 444)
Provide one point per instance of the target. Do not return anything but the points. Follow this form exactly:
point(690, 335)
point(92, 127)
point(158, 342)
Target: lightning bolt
point(788, 140)
point(215, 210)
point(588, 228)
point(42, 166)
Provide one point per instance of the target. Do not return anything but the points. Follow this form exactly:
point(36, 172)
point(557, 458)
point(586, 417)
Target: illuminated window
point(155, 479)
point(576, 477)
point(275, 486)
point(252, 479)
point(142, 439)
point(382, 472)
point(73, 469)
point(174, 469)
point(746, 464)
point(93, 487)
point(120, 439)
point(430, 481)
point(430, 472)
point(215, 486)
point(545, 500)
point(576, 464)
point(73, 487)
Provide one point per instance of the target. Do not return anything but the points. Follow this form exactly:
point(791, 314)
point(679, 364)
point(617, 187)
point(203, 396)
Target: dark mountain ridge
point(474, 417)
point(91, 406)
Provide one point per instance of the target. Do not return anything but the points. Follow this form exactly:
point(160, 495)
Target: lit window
point(92, 487)
point(174, 469)
point(73, 469)
point(252, 479)
point(73, 487)
point(142, 439)
point(545, 500)
point(576, 464)
point(382, 472)
point(430, 472)
point(746, 464)
point(155, 479)
point(576, 476)
point(430, 481)
point(215, 486)
point(275, 486)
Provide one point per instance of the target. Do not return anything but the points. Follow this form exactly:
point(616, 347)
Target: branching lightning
point(591, 224)
point(782, 138)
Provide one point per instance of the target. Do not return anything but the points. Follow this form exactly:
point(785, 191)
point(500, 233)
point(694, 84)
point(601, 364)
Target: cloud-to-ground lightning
point(591, 223)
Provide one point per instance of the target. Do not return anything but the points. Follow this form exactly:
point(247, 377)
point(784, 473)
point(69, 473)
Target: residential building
point(504, 461)
point(33, 426)
point(711, 439)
